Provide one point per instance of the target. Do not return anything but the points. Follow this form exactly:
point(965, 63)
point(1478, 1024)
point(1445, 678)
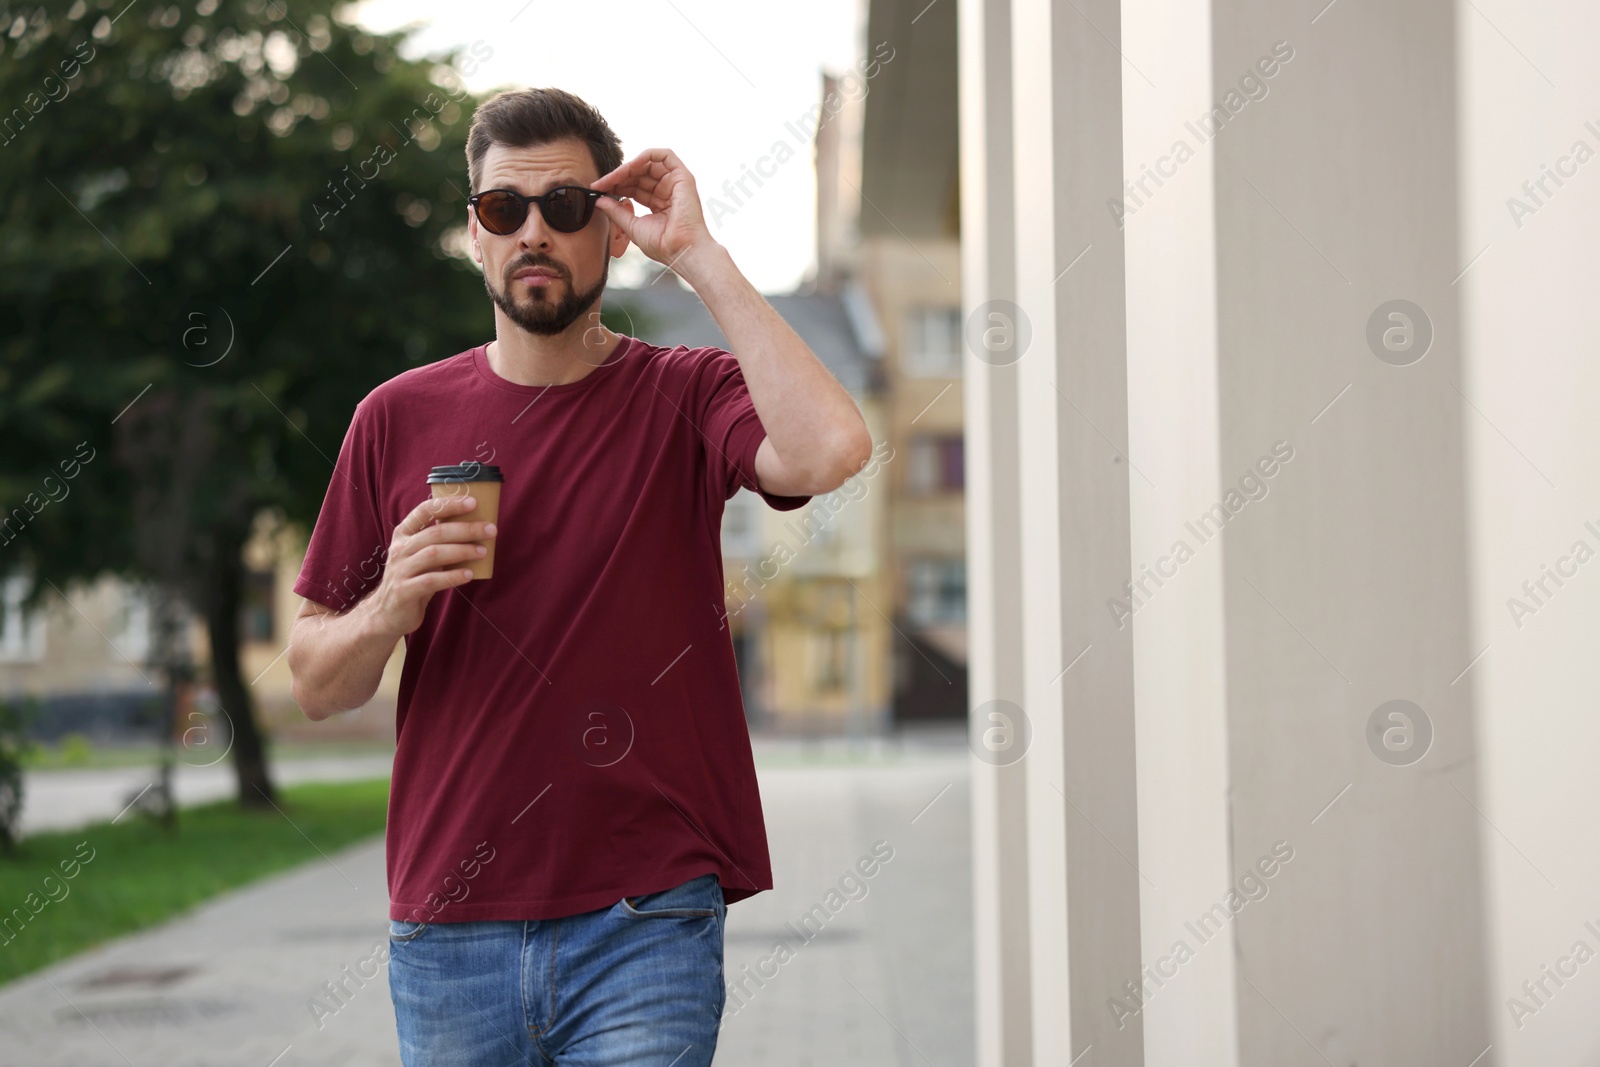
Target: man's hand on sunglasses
point(657, 179)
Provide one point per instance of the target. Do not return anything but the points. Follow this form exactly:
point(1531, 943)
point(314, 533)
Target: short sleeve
point(350, 542)
point(733, 431)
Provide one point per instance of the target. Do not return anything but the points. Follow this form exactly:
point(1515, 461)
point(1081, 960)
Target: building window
point(134, 635)
point(257, 617)
point(936, 591)
point(932, 346)
point(935, 464)
point(740, 526)
point(21, 633)
point(830, 660)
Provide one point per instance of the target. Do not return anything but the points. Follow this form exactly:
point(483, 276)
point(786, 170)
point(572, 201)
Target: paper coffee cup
point(482, 484)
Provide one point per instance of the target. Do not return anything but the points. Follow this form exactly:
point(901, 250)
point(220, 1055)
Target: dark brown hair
point(522, 118)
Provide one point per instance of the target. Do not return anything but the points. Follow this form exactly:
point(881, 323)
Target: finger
point(432, 508)
point(624, 173)
point(621, 214)
point(676, 189)
point(665, 158)
point(651, 196)
point(645, 173)
point(436, 581)
point(435, 557)
point(454, 530)
point(643, 160)
point(632, 187)
point(665, 171)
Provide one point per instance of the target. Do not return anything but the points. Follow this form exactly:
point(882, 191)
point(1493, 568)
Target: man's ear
point(618, 239)
point(472, 235)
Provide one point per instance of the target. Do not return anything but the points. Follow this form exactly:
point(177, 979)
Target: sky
point(714, 80)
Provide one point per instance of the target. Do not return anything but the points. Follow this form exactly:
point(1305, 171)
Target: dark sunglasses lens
point(567, 209)
point(501, 213)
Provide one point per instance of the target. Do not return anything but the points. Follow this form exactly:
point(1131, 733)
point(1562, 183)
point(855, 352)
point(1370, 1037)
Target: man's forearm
point(810, 419)
point(336, 661)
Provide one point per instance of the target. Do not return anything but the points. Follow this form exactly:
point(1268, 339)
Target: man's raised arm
point(816, 437)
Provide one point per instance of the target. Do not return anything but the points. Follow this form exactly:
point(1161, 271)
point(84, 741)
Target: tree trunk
point(223, 596)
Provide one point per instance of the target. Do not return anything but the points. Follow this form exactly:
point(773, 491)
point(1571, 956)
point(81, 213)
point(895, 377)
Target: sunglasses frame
point(542, 202)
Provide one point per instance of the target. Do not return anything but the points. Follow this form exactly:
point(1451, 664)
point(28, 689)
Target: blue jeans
point(638, 983)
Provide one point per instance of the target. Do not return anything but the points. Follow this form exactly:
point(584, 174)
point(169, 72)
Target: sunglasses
point(566, 209)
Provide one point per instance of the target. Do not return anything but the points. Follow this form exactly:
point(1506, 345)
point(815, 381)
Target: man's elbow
point(858, 450)
point(313, 706)
point(849, 453)
point(307, 706)
point(303, 699)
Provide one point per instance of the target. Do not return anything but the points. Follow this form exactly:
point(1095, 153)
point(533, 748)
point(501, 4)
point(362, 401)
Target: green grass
point(141, 874)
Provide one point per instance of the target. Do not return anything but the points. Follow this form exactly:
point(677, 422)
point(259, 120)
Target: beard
point(539, 313)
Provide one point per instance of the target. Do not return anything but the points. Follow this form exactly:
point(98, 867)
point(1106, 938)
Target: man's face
point(576, 265)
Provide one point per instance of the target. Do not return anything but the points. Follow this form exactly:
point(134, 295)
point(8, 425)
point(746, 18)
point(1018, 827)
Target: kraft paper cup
point(482, 483)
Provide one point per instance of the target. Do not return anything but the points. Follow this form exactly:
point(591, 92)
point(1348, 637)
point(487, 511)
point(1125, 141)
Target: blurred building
point(83, 659)
point(806, 597)
point(888, 227)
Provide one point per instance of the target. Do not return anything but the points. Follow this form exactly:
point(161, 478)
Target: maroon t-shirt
point(569, 731)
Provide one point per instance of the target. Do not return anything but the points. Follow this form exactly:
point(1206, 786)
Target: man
point(574, 801)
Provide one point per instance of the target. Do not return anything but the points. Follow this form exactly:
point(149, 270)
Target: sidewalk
point(64, 800)
point(887, 981)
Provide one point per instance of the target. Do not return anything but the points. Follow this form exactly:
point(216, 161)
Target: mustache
point(523, 262)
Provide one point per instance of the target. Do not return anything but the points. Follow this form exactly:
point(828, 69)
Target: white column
point(1530, 203)
point(1188, 1003)
point(994, 567)
point(1345, 573)
point(1083, 844)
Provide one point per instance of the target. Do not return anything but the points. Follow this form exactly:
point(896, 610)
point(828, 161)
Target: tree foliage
point(224, 223)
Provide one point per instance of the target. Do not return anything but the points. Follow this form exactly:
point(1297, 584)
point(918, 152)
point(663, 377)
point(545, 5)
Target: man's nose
point(535, 232)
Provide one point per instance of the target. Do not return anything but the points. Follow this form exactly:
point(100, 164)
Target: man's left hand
point(657, 179)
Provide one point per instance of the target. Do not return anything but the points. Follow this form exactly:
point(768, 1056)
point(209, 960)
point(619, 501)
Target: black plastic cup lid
point(465, 472)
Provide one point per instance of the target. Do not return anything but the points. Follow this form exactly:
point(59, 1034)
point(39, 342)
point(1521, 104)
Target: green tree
point(224, 223)
point(15, 747)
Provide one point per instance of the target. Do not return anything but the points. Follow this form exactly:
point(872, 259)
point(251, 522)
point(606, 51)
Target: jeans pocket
point(404, 930)
point(695, 899)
